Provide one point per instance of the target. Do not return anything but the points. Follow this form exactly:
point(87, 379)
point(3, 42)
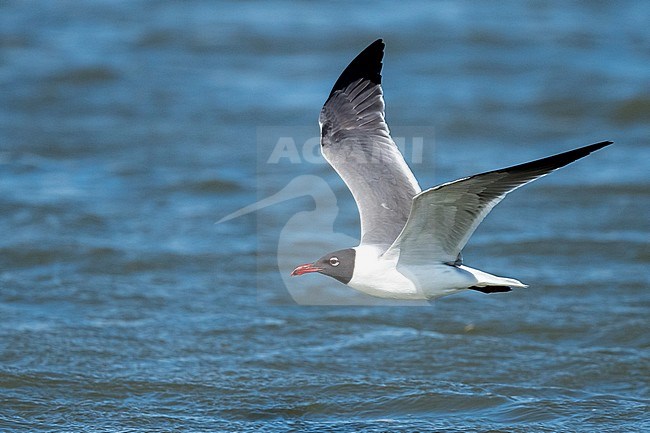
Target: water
point(128, 128)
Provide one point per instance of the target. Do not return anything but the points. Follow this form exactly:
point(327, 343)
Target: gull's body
point(379, 274)
point(411, 240)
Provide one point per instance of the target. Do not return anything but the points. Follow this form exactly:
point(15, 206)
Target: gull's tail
point(488, 283)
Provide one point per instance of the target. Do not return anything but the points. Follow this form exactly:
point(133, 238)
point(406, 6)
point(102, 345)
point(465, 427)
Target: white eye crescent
point(334, 261)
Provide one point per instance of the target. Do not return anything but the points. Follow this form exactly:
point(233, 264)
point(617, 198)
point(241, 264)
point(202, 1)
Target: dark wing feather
point(355, 140)
point(443, 218)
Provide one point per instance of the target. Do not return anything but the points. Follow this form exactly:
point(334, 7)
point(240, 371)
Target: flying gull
point(411, 240)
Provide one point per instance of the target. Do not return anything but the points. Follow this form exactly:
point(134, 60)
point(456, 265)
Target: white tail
point(484, 279)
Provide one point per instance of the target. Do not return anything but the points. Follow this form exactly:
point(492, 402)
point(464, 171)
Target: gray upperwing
point(355, 140)
point(443, 218)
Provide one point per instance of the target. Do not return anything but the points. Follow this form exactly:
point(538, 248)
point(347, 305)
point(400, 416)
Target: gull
point(411, 240)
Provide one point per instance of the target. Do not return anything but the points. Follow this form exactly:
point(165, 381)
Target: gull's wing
point(443, 218)
point(356, 142)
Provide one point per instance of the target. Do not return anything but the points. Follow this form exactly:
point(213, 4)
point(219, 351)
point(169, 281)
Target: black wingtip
point(366, 65)
point(491, 289)
point(596, 146)
point(553, 162)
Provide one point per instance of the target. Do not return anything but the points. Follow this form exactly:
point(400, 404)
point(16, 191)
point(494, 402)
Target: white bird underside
point(410, 239)
point(379, 275)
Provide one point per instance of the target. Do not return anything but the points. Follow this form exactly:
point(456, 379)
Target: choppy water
point(128, 128)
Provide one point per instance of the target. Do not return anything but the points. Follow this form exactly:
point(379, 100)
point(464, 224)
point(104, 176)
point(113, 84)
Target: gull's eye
point(334, 261)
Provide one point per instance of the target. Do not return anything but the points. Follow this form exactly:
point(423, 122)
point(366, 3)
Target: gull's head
point(339, 265)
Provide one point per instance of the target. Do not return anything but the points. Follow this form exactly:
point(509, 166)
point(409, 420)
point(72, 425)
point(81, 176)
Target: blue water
point(127, 129)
